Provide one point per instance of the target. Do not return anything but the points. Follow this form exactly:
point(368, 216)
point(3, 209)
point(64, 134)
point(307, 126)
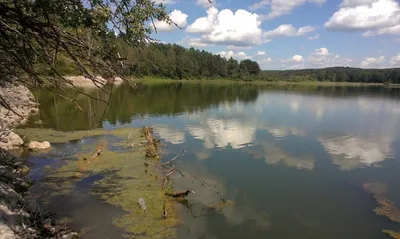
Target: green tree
point(35, 34)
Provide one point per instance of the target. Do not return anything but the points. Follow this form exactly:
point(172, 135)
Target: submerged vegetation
point(385, 207)
point(129, 174)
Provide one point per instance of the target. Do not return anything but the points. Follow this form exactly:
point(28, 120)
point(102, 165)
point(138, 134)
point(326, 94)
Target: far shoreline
point(148, 80)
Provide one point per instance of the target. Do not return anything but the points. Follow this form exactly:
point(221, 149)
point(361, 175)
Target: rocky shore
point(20, 216)
point(22, 102)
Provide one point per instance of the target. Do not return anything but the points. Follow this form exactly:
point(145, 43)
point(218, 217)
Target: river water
point(292, 158)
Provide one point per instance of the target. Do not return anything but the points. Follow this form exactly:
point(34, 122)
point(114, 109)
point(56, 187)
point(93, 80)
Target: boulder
point(21, 101)
point(10, 141)
point(36, 145)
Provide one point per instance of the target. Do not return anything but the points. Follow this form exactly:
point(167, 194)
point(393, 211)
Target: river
point(294, 159)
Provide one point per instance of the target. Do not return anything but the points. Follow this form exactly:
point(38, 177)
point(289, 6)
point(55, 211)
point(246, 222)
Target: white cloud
point(296, 62)
point(221, 133)
point(177, 17)
point(353, 152)
point(204, 24)
point(165, 1)
point(316, 37)
point(274, 155)
point(321, 57)
point(383, 31)
point(194, 42)
point(284, 7)
point(288, 30)
point(259, 5)
point(172, 136)
point(231, 47)
point(206, 3)
point(297, 58)
point(239, 55)
point(372, 62)
point(396, 61)
point(371, 15)
point(241, 28)
point(260, 53)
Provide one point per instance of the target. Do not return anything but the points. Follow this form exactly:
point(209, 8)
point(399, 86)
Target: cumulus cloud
point(296, 62)
point(297, 58)
point(275, 155)
point(353, 152)
point(194, 42)
point(284, 7)
point(396, 61)
point(239, 55)
point(383, 31)
point(287, 30)
point(373, 62)
point(225, 27)
point(221, 133)
point(173, 136)
point(316, 37)
point(177, 17)
point(377, 17)
point(261, 53)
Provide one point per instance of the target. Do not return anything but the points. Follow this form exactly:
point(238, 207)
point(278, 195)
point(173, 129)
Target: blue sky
point(289, 34)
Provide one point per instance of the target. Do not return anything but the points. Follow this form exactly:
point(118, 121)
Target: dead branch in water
point(179, 194)
point(174, 157)
point(94, 156)
point(166, 178)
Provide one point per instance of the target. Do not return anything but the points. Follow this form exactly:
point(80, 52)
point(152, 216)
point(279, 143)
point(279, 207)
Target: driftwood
point(94, 156)
point(151, 144)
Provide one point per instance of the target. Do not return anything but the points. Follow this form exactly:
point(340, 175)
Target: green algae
point(53, 136)
point(392, 234)
point(127, 176)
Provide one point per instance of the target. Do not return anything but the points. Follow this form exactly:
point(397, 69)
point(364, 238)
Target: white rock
point(11, 141)
point(36, 145)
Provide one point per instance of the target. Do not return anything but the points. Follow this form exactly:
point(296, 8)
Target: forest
point(172, 61)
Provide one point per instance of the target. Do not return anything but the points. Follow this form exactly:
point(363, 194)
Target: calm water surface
point(292, 158)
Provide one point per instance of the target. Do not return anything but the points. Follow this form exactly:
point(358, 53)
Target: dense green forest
point(176, 62)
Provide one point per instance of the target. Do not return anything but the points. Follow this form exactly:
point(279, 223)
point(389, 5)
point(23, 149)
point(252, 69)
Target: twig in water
point(175, 157)
point(163, 148)
point(211, 187)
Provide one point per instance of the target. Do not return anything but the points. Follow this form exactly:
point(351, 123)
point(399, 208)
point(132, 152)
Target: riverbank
point(20, 215)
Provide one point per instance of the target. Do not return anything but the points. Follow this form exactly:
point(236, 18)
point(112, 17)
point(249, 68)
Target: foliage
point(176, 62)
point(42, 39)
point(335, 74)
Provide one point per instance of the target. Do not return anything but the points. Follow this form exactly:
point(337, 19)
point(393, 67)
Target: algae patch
point(385, 207)
point(127, 176)
point(393, 234)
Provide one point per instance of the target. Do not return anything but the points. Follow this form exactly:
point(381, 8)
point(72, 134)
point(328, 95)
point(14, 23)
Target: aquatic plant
point(392, 234)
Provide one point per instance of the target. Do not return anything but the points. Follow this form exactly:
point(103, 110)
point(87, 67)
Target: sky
point(289, 34)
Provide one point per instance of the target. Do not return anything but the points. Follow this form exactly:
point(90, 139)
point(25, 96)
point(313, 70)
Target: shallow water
point(292, 158)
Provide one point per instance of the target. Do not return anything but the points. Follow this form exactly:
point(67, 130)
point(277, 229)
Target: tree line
point(176, 62)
